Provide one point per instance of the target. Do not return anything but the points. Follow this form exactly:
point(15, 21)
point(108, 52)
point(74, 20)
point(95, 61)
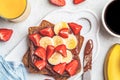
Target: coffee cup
point(14, 10)
point(111, 16)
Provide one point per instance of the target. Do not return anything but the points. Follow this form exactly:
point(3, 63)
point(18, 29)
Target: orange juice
point(12, 8)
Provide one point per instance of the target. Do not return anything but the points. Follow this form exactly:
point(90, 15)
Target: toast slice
point(28, 58)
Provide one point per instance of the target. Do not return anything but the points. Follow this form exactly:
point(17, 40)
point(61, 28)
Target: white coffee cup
point(104, 20)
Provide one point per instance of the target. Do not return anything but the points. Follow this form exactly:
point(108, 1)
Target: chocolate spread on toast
point(29, 57)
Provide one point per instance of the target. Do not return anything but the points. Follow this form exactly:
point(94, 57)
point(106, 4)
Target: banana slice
point(58, 40)
point(71, 42)
point(45, 41)
point(55, 58)
point(68, 58)
point(59, 26)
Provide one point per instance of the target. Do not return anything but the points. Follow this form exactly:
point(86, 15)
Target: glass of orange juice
point(14, 10)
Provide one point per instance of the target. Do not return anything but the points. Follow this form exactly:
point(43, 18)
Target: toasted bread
point(28, 57)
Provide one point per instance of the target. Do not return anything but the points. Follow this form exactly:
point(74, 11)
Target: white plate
point(90, 30)
point(89, 22)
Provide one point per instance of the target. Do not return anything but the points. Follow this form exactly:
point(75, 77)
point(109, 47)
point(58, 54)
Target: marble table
point(39, 9)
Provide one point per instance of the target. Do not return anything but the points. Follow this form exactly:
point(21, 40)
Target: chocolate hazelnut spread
point(88, 55)
point(29, 58)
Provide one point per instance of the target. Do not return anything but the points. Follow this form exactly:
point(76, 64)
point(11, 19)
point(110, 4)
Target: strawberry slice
point(40, 52)
point(60, 68)
point(71, 68)
point(61, 49)
point(5, 34)
point(40, 64)
point(75, 27)
point(77, 1)
point(58, 2)
point(47, 32)
point(50, 51)
point(35, 38)
point(63, 33)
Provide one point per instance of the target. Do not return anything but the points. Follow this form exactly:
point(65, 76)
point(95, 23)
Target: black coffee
point(112, 16)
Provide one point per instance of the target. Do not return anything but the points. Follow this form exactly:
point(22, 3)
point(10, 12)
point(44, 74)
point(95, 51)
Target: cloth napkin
point(11, 70)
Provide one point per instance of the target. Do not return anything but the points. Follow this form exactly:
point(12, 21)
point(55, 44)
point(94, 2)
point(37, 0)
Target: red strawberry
point(49, 51)
point(35, 38)
point(60, 68)
point(64, 32)
point(77, 1)
point(40, 52)
point(71, 68)
point(61, 49)
point(58, 2)
point(40, 64)
point(5, 34)
point(47, 32)
point(75, 27)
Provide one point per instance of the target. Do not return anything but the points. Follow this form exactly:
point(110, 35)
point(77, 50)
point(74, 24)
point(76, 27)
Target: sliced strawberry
point(5, 34)
point(35, 38)
point(63, 33)
point(40, 64)
point(71, 68)
point(58, 2)
point(47, 32)
point(60, 68)
point(61, 49)
point(50, 51)
point(75, 27)
point(77, 1)
point(40, 52)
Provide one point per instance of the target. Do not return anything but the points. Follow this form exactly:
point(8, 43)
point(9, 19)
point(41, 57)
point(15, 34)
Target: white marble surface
point(40, 8)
